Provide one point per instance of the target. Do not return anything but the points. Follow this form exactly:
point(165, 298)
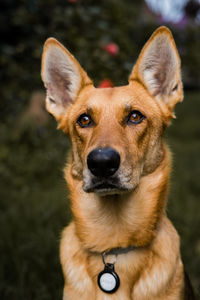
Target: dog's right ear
point(63, 77)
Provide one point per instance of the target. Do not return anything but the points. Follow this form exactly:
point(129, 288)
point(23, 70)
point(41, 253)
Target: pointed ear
point(158, 69)
point(63, 77)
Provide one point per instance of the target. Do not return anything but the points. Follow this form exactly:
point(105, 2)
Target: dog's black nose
point(103, 162)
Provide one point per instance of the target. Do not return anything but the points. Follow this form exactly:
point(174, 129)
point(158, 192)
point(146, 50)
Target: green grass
point(34, 205)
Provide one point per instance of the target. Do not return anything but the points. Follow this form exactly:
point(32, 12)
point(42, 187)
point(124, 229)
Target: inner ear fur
point(158, 68)
point(63, 77)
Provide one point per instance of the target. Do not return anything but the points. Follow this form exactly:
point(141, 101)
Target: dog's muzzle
point(103, 164)
point(104, 174)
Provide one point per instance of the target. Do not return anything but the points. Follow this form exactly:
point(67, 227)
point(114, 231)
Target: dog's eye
point(84, 120)
point(135, 117)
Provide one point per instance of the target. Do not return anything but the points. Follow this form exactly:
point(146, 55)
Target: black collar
point(119, 250)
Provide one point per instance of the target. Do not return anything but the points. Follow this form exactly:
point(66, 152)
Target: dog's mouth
point(105, 187)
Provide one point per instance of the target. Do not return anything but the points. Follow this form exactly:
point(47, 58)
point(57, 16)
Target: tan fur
point(135, 217)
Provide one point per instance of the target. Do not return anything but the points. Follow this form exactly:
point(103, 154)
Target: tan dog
point(118, 174)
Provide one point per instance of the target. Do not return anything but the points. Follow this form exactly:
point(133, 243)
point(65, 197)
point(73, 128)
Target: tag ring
point(103, 255)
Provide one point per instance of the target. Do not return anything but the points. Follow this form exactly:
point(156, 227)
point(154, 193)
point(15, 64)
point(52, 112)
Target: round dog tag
point(108, 280)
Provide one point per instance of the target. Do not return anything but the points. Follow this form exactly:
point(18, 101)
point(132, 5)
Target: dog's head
point(116, 133)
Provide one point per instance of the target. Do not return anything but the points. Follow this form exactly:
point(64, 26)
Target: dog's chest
point(127, 269)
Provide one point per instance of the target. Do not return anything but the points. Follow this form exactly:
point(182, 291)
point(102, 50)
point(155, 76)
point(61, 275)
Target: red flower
point(105, 83)
point(112, 49)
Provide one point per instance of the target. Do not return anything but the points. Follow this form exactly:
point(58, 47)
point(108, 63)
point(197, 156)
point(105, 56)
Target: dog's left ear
point(63, 77)
point(158, 69)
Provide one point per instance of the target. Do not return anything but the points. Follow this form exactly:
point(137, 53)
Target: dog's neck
point(124, 220)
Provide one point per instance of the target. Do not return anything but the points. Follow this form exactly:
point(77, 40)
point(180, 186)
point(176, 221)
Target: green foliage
point(183, 209)
point(33, 211)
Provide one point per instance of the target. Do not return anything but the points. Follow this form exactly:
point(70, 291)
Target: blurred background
point(106, 37)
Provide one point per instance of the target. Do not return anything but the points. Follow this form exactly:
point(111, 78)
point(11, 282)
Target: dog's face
point(115, 132)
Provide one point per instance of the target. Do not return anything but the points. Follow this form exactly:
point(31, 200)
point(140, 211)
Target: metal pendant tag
point(108, 280)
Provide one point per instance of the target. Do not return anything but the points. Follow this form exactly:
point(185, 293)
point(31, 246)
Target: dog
point(120, 244)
